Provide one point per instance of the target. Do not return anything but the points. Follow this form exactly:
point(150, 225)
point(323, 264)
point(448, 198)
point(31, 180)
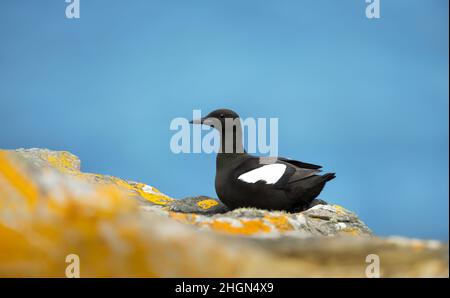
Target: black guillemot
point(273, 183)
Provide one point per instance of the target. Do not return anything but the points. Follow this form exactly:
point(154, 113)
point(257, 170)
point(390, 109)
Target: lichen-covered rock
point(320, 220)
point(206, 212)
point(69, 164)
point(199, 205)
point(50, 209)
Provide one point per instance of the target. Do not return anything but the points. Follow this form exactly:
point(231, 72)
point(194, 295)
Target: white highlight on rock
point(149, 189)
point(341, 225)
point(269, 173)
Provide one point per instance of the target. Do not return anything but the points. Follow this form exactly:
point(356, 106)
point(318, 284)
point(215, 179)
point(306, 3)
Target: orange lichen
point(244, 227)
point(18, 181)
point(281, 222)
point(186, 218)
point(206, 204)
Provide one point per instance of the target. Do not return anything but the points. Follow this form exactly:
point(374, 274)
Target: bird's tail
point(328, 176)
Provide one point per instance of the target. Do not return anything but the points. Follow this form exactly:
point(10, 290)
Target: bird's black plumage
point(285, 184)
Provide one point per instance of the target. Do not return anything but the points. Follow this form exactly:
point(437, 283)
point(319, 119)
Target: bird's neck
point(231, 147)
point(231, 139)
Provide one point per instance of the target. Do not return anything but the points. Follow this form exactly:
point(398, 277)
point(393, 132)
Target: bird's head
point(217, 116)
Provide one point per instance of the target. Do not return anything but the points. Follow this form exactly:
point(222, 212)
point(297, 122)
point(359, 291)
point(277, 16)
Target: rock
point(198, 205)
point(69, 164)
point(50, 209)
point(320, 220)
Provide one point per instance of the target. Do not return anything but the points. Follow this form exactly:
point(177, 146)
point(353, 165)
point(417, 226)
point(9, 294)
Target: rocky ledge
point(50, 209)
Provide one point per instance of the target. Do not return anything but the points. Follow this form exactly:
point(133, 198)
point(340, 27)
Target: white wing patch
point(269, 173)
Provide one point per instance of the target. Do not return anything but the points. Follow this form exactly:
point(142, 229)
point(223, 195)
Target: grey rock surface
point(194, 205)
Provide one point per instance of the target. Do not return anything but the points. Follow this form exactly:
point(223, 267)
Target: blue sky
point(367, 99)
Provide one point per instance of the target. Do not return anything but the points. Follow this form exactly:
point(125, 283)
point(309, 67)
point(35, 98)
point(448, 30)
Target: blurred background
point(367, 99)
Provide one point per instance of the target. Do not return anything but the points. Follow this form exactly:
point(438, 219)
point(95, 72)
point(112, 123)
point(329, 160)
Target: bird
point(263, 182)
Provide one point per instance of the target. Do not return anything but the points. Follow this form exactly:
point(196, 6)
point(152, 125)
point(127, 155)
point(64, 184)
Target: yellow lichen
point(245, 227)
point(339, 209)
point(62, 161)
point(68, 164)
point(65, 220)
point(154, 196)
point(206, 204)
point(47, 215)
